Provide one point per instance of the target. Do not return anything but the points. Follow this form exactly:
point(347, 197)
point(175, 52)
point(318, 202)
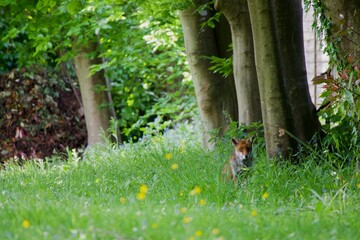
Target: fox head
point(243, 148)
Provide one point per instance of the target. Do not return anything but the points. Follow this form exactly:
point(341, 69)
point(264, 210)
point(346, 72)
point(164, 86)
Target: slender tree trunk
point(271, 88)
point(94, 98)
point(223, 42)
point(214, 96)
point(244, 69)
point(302, 118)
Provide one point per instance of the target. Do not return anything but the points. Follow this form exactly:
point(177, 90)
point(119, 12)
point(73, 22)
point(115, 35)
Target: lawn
point(170, 188)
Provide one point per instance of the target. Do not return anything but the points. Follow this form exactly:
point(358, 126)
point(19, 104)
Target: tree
point(337, 24)
point(287, 112)
point(344, 31)
point(215, 95)
point(247, 90)
point(280, 64)
point(94, 98)
point(50, 33)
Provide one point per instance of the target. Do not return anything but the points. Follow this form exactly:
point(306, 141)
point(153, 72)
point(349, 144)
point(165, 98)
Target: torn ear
point(234, 141)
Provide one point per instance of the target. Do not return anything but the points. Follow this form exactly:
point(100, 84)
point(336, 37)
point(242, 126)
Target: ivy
point(341, 107)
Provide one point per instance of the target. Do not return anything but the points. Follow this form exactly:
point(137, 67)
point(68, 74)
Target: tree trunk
point(223, 42)
point(214, 94)
point(94, 98)
point(280, 64)
point(271, 87)
point(345, 20)
point(244, 69)
point(302, 118)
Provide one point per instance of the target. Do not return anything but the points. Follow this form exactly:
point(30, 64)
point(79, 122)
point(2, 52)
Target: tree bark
point(223, 42)
point(302, 118)
point(288, 113)
point(94, 98)
point(345, 20)
point(244, 69)
point(271, 87)
point(214, 95)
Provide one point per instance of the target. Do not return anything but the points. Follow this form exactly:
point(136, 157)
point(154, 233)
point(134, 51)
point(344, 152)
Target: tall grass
point(168, 187)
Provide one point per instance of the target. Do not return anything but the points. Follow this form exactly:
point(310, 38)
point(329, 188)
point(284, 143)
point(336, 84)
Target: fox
point(240, 159)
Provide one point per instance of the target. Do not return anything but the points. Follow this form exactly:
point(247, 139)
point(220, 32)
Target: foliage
point(222, 66)
point(341, 112)
point(40, 115)
point(151, 87)
point(341, 107)
point(173, 191)
point(141, 45)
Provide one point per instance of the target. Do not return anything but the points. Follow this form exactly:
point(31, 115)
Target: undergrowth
point(168, 187)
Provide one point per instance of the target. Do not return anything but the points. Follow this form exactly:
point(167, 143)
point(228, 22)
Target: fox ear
point(250, 140)
point(235, 141)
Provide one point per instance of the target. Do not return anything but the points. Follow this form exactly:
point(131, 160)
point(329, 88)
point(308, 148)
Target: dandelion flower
point(183, 210)
point(265, 196)
point(202, 202)
point(122, 200)
point(253, 213)
point(215, 231)
point(195, 191)
point(154, 225)
point(141, 196)
point(26, 223)
point(143, 188)
point(168, 156)
point(198, 233)
point(358, 185)
point(186, 220)
point(175, 166)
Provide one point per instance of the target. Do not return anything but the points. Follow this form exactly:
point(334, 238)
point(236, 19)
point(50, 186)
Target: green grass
point(96, 198)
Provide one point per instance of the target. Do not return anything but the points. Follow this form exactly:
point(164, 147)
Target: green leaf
point(73, 6)
point(357, 107)
point(12, 33)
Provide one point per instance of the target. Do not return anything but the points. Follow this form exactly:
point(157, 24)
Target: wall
point(316, 61)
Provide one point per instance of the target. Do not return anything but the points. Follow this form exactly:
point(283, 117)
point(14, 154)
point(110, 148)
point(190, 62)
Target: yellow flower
point(122, 200)
point(254, 213)
point(175, 166)
point(26, 223)
point(143, 188)
point(186, 220)
point(202, 202)
point(358, 185)
point(181, 194)
point(154, 225)
point(141, 196)
point(198, 233)
point(195, 191)
point(183, 210)
point(168, 156)
point(265, 196)
point(215, 231)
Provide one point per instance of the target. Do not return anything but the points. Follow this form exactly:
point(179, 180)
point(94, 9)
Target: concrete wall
point(316, 61)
